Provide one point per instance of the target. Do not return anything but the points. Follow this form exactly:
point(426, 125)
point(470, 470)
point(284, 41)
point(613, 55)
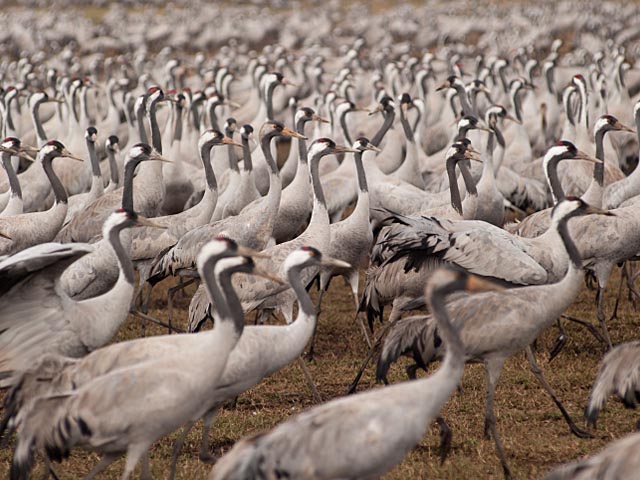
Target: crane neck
point(234, 310)
point(37, 124)
point(464, 100)
point(113, 167)
point(305, 304)
point(213, 288)
point(318, 193)
point(14, 183)
point(93, 158)
point(127, 187)
point(572, 250)
point(156, 138)
point(517, 104)
point(213, 118)
point(362, 176)
point(177, 127)
point(210, 177)
point(549, 77)
point(265, 143)
point(246, 154)
point(455, 354)
point(406, 127)
point(345, 128)
point(124, 260)
point(268, 98)
point(598, 169)
point(59, 192)
point(8, 118)
point(454, 192)
point(302, 143)
point(389, 116)
point(142, 133)
point(551, 172)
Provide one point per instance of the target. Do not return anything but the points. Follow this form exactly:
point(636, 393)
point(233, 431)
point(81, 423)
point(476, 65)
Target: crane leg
point(205, 455)
point(177, 448)
point(171, 292)
point(372, 352)
point(601, 319)
point(624, 274)
point(135, 453)
point(445, 439)
point(106, 460)
point(588, 325)
point(307, 376)
point(352, 279)
point(145, 470)
point(561, 341)
point(538, 373)
point(48, 470)
point(493, 369)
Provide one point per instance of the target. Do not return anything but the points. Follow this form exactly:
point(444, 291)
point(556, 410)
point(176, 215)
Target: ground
point(534, 434)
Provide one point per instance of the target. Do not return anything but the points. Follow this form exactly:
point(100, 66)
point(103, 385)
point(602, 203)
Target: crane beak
point(156, 156)
point(264, 274)
point(343, 149)
point(55, 100)
point(145, 222)
point(484, 129)
point(477, 284)
point(4, 235)
point(233, 104)
point(66, 153)
point(290, 133)
point(580, 155)
point(289, 82)
point(512, 118)
point(320, 119)
point(443, 86)
point(624, 128)
point(379, 108)
point(372, 147)
point(405, 107)
point(472, 155)
point(228, 141)
point(334, 263)
point(599, 211)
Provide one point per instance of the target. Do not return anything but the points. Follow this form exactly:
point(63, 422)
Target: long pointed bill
point(379, 108)
point(289, 82)
point(472, 156)
point(343, 149)
point(624, 128)
point(228, 141)
point(290, 133)
point(156, 156)
point(55, 100)
point(513, 119)
point(68, 154)
point(334, 263)
point(264, 274)
point(145, 222)
point(320, 119)
point(478, 284)
point(372, 147)
point(580, 155)
point(4, 235)
point(443, 86)
point(599, 211)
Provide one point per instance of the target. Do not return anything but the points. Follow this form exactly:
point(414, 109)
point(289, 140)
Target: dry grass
point(534, 433)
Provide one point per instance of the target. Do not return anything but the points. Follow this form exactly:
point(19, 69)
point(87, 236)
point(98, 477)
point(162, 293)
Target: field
point(534, 433)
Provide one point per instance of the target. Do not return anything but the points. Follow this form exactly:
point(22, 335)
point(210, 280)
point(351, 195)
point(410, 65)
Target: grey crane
point(364, 435)
point(619, 460)
point(515, 317)
point(39, 317)
point(253, 228)
point(264, 349)
point(11, 201)
point(265, 296)
point(149, 187)
point(104, 414)
point(33, 228)
point(619, 374)
point(97, 272)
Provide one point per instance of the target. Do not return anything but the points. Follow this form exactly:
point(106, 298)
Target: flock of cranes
point(472, 182)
